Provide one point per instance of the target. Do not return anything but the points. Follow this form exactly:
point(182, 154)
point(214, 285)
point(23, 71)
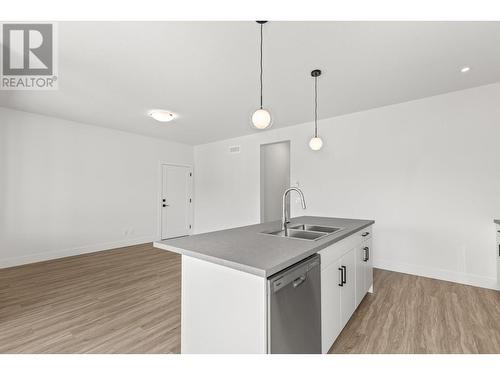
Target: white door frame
point(159, 195)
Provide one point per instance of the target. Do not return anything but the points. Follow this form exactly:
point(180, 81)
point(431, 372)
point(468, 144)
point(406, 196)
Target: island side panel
point(223, 310)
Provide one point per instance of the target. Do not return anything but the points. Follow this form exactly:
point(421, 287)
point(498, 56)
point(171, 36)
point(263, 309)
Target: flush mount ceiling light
point(315, 143)
point(161, 115)
point(465, 69)
point(261, 118)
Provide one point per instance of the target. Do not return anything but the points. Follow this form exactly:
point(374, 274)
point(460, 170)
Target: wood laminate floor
point(413, 314)
point(125, 300)
point(128, 301)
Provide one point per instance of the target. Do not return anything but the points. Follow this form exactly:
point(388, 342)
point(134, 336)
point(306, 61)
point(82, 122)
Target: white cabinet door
point(330, 305)
point(360, 273)
point(497, 252)
point(368, 269)
point(346, 260)
point(347, 290)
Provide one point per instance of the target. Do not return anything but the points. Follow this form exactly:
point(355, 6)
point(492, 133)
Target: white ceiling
point(112, 73)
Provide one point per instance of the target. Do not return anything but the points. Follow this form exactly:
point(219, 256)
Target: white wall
point(68, 188)
point(427, 171)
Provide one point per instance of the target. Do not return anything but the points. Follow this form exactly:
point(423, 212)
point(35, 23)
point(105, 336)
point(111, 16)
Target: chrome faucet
point(284, 220)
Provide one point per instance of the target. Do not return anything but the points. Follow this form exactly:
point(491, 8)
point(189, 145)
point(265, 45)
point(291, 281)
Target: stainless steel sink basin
point(302, 234)
point(305, 231)
point(315, 228)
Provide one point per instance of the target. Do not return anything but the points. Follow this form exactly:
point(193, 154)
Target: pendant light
point(261, 118)
point(316, 143)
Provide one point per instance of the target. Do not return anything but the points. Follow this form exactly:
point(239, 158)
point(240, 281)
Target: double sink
point(308, 232)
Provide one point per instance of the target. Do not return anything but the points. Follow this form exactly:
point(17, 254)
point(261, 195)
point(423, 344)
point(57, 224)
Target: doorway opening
point(274, 179)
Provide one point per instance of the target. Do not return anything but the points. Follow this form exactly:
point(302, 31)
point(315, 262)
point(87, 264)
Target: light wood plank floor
point(128, 301)
point(412, 314)
point(118, 301)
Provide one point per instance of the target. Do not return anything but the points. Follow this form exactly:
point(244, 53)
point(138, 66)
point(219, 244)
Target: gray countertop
point(247, 249)
point(497, 221)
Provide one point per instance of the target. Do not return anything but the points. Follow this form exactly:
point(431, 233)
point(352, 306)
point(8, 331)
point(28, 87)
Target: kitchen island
point(225, 281)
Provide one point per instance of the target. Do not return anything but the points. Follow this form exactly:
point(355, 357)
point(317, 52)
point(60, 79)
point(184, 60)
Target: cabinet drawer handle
point(341, 277)
point(344, 275)
point(365, 234)
point(366, 254)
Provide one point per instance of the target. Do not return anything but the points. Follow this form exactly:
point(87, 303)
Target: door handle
point(165, 205)
point(366, 253)
point(299, 280)
point(365, 234)
point(344, 275)
point(341, 277)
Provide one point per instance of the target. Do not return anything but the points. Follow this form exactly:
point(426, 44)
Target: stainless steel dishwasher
point(294, 309)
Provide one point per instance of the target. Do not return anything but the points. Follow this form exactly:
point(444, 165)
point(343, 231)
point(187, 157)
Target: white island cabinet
point(346, 277)
point(223, 310)
point(227, 298)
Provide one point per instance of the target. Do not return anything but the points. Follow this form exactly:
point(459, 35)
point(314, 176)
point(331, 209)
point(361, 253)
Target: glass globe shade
point(261, 118)
point(315, 143)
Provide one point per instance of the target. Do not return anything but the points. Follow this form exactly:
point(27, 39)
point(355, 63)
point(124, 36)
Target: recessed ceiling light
point(162, 115)
point(465, 69)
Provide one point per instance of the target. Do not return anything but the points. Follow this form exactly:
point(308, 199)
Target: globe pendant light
point(316, 143)
point(261, 118)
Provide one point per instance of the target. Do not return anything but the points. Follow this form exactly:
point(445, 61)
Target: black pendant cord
point(261, 42)
point(315, 107)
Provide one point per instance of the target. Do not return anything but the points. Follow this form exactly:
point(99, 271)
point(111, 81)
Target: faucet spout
point(285, 216)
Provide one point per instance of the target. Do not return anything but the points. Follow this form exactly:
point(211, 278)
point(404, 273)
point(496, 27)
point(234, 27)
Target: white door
point(368, 277)
point(175, 201)
point(331, 278)
point(347, 291)
point(497, 251)
point(360, 273)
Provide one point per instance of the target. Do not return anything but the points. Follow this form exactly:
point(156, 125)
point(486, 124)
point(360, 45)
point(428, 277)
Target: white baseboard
point(49, 255)
point(439, 274)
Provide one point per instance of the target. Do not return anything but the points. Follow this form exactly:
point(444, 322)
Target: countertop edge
point(257, 271)
point(215, 260)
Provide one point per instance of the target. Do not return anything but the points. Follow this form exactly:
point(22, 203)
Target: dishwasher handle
point(299, 280)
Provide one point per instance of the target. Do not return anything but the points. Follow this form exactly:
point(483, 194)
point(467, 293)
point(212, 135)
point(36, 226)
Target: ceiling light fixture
point(261, 118)
point(162, 115)
point(465, 69)
point(316, 143)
